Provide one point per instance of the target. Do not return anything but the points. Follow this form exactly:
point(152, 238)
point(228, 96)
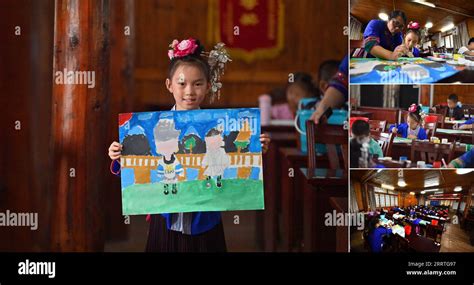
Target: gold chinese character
point(248, 4)
point(249, 19)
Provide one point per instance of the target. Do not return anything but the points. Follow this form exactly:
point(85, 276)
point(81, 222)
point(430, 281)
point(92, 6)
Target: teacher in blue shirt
point(385, 39)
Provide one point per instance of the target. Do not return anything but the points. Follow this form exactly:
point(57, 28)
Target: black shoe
point(174, 189)
point(166, 189)
point(208, 182)
point(219, 183)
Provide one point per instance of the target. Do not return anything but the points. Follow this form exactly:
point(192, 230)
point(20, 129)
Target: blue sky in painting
point(197, 122)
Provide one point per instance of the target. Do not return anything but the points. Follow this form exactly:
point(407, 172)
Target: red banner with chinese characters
point(251, 29)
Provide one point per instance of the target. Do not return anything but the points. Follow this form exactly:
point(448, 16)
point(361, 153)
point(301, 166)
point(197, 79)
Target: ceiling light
point(383, 16)
point(422, 2)
point(423, 192)
point(389, 187)
point(402, 183)
point(412, 193)
point(458, 189)
point(429, 25)
point(447, 28)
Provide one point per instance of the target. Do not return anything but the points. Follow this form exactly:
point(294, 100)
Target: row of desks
point(297, 198)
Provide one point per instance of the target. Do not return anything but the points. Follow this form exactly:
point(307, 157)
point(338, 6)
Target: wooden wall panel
point(465, 93)
point(309, 39)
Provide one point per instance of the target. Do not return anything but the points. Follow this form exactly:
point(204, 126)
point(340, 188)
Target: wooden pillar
point(122, 38)
point(425, 91)
point(468, 201)
point(81, 44)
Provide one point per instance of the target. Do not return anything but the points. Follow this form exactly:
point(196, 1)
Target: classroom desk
point(319, 186)
point(280, 126)
point(290, 204)
point(291, 198)
point(448, 124)
point(365, 114)
point(267, 220)
point(340, 204)
point(463, 136)
point(422, 244)
point(403, 148)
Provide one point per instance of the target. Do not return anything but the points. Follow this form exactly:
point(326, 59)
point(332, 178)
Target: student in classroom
point(336, 93)
point(464, 161)
point(455, 111)
point(412, 38)
point(360, 132)
point(301, 87)
point(376, 234)
point(327, 69)
point(189, 81)
point(469, 49)
point(412, 128)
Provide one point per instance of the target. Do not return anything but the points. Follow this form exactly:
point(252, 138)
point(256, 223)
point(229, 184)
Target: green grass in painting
point(192, 196)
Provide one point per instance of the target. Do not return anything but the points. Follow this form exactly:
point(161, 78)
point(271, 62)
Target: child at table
point(190, 79)
point(301, 87)
point(412, 38)
point(412, 128)
point(464, 161)
point(376, 234)
point(360, 133)
point(454, 111)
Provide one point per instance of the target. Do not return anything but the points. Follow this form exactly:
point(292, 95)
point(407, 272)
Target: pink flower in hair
point(413, 25)
point(185, 47)
point(413, 108)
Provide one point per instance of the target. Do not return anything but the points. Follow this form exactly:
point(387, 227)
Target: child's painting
point(189, 161)
point(402, 71)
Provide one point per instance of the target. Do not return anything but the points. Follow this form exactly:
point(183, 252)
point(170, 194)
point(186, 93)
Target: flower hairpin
point(413, 108)
point(181, 49)
point(217, 59)
point(413, 25)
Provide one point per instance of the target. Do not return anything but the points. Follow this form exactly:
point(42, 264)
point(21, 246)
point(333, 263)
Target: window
point(385, 198)
point(448, 41)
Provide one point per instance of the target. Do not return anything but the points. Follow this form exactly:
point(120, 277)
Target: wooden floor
point(455, 239)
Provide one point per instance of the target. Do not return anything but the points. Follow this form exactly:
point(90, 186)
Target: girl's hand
point(318, 116)
point(265, 140)
point(464, 127)
point(115, 151)
point(394, 130)
point(411, 137)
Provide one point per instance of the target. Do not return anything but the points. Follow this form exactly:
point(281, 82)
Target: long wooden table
point(463, 136)
point(402, 147)
point(268, 219)
point(319, 187)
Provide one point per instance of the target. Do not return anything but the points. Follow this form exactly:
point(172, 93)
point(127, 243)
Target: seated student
point(464, 161)
point(454, 108)
point(412, 128)
point(469, 50)
point(301, 87)
point(280, 108)
point(376, 234)
point(412, 38)
point(327, 69)
point(360, 132)
point(336, 95)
